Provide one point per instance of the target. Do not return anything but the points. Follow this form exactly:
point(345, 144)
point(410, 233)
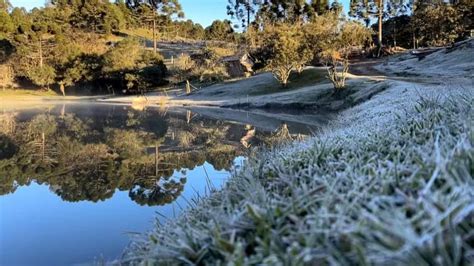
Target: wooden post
point(62, 89)
point(188, 87)
point(63, 110)
point(414, 41)
point(188, 116)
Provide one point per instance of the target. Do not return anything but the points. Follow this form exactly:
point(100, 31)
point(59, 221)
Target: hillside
point(449, 62)
point(383, 184)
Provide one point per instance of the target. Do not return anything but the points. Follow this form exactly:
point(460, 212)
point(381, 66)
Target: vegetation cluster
point(81, 44)
point(92, 45)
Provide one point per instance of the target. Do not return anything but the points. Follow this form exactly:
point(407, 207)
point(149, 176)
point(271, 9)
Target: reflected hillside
point(88, 153)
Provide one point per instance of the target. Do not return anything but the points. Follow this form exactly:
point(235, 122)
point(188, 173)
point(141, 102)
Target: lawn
point(26, 92)
point(308, 77)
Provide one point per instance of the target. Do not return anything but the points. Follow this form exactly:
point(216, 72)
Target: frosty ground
point(389, 181)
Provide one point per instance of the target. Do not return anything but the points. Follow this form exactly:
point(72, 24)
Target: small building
point(239, 65)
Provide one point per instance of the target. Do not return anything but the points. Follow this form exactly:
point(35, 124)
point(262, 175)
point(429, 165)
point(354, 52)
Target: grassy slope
point(308, 77)
point(7, 93)
point(391, 182)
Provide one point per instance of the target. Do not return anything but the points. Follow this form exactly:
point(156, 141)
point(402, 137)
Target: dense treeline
point(287, 35)
point(75, 43)
point(68, 42)
point(87, 43)
point(416, 23)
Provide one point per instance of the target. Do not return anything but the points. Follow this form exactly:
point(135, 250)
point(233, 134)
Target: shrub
point(183, 68)
point(289, 51)
point(42, 75)
point(210, 68)
point(133, 69)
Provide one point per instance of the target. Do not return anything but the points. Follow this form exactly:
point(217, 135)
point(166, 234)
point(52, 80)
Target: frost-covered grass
point(391, 183)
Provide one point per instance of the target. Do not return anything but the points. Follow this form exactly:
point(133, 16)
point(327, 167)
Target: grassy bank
point(390, 183)
point(9, 93)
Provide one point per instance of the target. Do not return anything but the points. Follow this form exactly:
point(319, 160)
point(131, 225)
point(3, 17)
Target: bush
point(7, 147)
point(290, 52)
point(209, 68)
point(133, 69)
point(42, 75)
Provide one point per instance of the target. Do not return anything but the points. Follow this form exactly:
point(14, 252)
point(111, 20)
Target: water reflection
point(78, 177)
point(89, 153)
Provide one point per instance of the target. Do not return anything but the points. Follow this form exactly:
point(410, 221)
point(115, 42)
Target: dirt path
point(370, 69)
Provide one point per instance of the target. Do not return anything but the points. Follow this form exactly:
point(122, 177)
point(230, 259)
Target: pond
point(77, 180)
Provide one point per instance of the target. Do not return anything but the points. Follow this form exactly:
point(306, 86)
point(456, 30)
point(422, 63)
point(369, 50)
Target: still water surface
point(77, 180)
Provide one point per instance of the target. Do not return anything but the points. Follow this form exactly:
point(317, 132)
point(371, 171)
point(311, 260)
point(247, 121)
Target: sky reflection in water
point(74, 180)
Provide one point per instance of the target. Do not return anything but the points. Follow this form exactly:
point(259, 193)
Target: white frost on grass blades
point(390, 182)
point(457, 62)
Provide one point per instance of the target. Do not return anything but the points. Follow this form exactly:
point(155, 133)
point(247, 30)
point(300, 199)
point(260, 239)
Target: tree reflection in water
point(89, 155)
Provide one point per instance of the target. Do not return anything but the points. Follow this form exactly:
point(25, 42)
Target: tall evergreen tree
point(291, 11)
point(163, 8)
point(220, 31)
point(320, 6)
point(6, 24)
point(243, 10)
point(5, 5)
point(365, 9)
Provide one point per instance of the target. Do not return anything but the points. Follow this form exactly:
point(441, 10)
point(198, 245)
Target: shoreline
point(333, 198)
point(369, 189)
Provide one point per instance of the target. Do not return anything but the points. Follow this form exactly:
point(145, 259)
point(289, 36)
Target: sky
point(200, 11)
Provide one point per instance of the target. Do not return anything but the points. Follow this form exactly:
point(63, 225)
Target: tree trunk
point(188, 116)
point(40, 53)
point(154, 31)
point(394, 33)
point(248, 18)
point(414, 41)
point(380, 17)
point(188, 87)
point(299, 69)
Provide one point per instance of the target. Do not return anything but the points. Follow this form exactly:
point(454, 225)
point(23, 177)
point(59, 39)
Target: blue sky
point(201, 11)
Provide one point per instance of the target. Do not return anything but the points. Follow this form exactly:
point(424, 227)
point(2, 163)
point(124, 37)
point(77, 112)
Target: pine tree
point(320, 7)
point(163, 8)
point(5, 5)
point(291, 11)
point(365, 9)
point(243, 10)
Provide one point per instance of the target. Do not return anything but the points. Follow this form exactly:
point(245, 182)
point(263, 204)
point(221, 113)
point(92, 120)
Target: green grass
point(398, 190)
point(26, 92)
point(308, 77)
point(140, 32)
